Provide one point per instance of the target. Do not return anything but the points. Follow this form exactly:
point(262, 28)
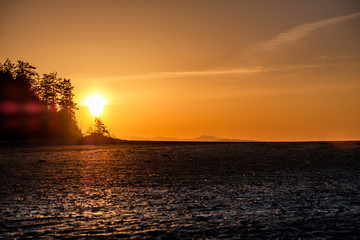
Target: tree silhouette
point(7, 70)
point(98, 128)
point(34, 107)
point(22, 115)
point(22, 72)
point(26, 72)
point(65, 98)
point(48, 89)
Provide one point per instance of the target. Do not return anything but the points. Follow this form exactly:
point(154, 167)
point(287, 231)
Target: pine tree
point(48, 90)
point(67, 107)
point(7, 70)
point(65, 98)
point(22, 72)
point(25, 72)
point(21, 85)
point(98, 128)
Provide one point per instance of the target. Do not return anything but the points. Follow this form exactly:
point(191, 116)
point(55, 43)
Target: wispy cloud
point(239, 71)
point(337, 57)
point(210, 72)
point(303, 30)
point(214, 72)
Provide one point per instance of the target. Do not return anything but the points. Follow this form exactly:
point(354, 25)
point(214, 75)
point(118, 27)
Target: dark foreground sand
point(181, 190)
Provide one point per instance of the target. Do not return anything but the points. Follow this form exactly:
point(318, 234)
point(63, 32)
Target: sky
point(271, 70)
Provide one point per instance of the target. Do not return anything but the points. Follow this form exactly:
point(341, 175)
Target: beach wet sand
point(158, 190)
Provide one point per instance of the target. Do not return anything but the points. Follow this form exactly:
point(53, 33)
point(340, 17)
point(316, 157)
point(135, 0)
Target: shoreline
point(112, 141)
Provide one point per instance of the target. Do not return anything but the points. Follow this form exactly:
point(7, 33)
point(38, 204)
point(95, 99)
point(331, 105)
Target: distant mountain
point(165, 139)
point(203, 138)
point(160, 139)
point(206, 138)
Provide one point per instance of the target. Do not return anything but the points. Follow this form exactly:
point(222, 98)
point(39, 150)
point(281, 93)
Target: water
point(181, 191)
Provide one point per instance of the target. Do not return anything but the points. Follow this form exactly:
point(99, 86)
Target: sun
point(96, 104)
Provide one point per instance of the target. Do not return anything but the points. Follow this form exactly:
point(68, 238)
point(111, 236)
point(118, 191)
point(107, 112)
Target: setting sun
point(96, 104)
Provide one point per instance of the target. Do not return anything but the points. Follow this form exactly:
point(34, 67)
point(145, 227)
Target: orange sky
point(260, 70)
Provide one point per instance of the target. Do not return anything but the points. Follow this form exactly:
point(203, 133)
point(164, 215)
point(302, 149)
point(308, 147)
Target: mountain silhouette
point(203, 138)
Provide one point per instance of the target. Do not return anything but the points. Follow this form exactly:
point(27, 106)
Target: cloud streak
point(215, 72)
point(303, 30)
point(212, 72)
point(207, 73)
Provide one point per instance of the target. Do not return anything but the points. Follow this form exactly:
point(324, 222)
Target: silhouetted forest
point(34, 106)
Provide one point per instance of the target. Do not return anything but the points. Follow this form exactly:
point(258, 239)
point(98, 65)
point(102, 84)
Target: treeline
point(34, 106)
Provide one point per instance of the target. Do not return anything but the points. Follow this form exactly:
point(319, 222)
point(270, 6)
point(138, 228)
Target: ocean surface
point(154, 190)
